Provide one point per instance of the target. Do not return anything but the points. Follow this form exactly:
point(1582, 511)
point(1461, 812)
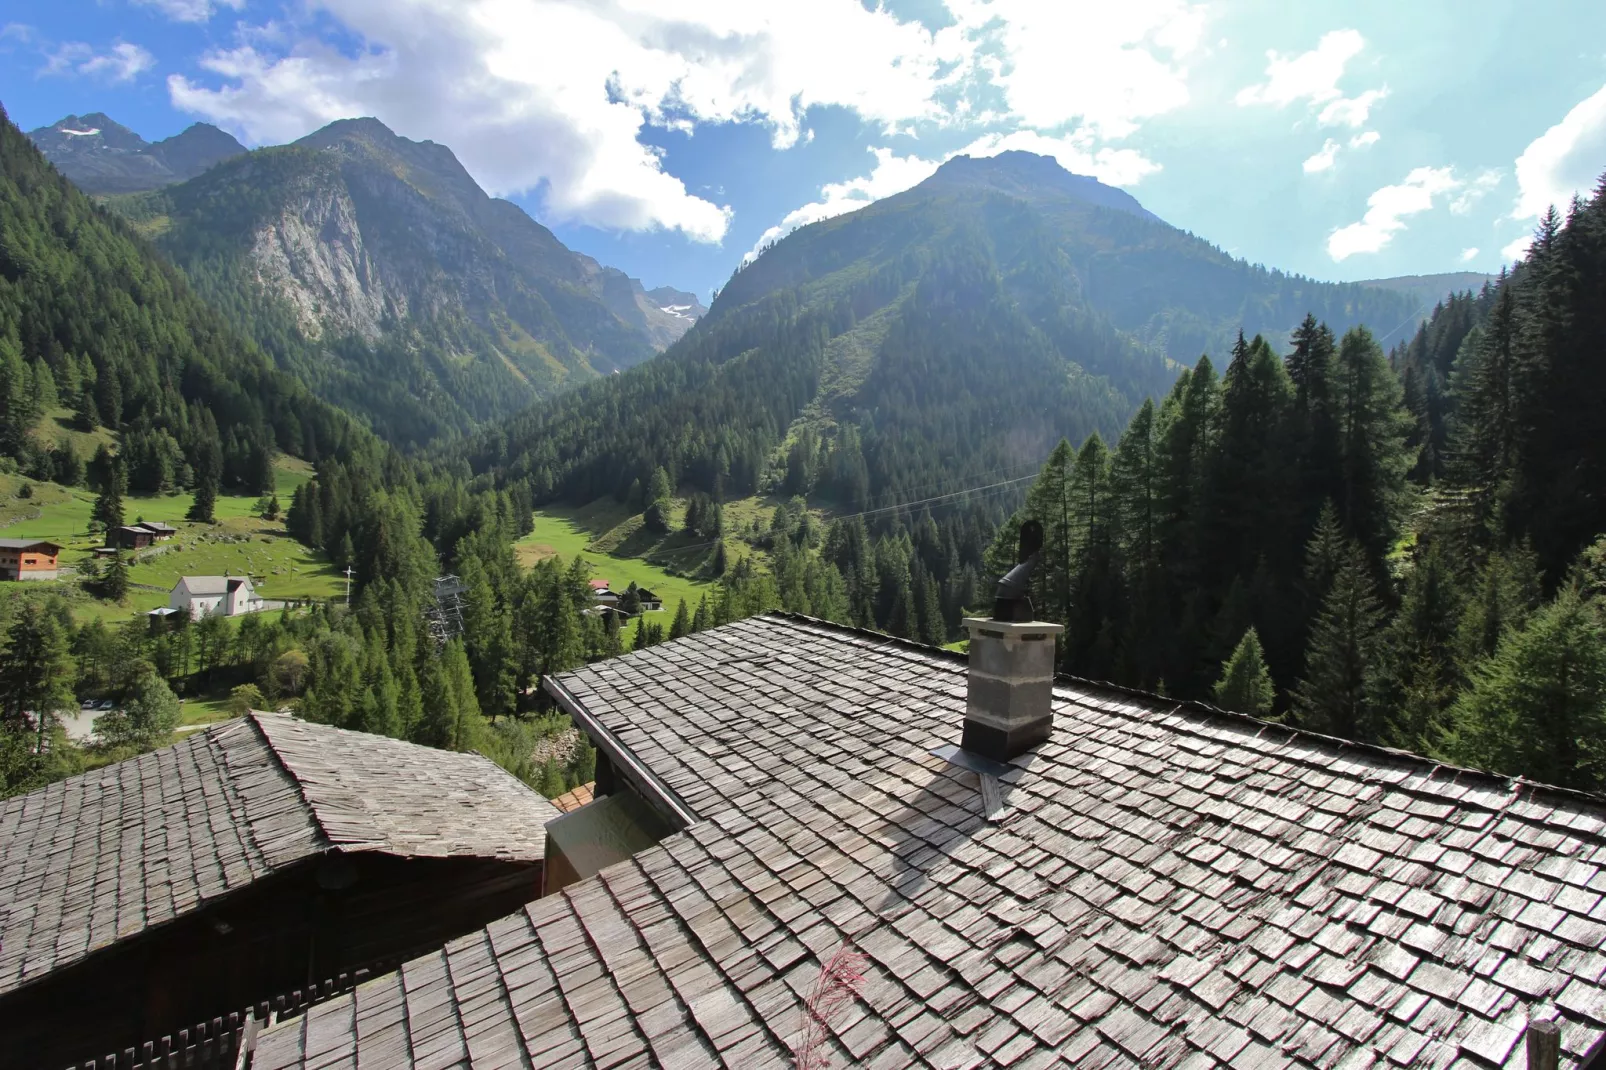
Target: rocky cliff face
point(312, 257)
point(355, 235)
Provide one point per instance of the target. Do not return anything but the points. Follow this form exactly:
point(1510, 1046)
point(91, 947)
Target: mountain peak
point(94, 127)
point(1034, 177)
point(102, 155)
point(366, 127)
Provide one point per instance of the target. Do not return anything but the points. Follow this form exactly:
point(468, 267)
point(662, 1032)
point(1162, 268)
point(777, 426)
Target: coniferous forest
point(1404, 549)
point(1401, 547)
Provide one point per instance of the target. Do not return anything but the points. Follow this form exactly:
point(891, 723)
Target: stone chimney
point(1009, 697)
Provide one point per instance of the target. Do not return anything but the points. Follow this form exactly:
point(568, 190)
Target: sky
point(673, 138)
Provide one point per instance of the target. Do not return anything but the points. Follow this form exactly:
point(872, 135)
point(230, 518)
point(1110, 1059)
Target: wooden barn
point(252, 858)
point(130, 537)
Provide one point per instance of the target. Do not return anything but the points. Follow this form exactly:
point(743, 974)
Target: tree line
point(1402, 549)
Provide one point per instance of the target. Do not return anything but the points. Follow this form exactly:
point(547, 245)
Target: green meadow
point(609, 539)
point(240, 543)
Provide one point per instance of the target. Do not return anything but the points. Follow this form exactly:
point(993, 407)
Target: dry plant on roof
point(834, 989)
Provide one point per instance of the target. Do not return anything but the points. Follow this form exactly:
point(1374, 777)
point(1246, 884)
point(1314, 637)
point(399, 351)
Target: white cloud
point(1352, 111)
point(191, 10)
point(1475, 190)
point(1387, 209)
point(122, 62)
point(1323, 160)
point(1313, 77)
point(891, 174)
point(554, 93)
point(1101, 66)
point(1364, 139)
point(1469, 255)
point(1517, 249)
point(1565, 160)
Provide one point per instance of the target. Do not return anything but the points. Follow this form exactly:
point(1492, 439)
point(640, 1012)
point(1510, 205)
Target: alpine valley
point(378, 271)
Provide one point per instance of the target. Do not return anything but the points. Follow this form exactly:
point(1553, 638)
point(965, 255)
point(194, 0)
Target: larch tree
point(1246, 685)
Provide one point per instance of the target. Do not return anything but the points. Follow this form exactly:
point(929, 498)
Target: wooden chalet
point(235, 867)
point(1036, 871)
point(160, 532)
point(28, 559)
point(130, 537)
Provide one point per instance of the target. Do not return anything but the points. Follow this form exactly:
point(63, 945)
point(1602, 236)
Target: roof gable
point(212, 585)
point(30, 544)
point(88, 861)
point(1165, 886)
point(372, 793)
point(100, 857)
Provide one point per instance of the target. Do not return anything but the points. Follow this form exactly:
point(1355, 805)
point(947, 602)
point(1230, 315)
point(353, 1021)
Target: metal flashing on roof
point(652, 789)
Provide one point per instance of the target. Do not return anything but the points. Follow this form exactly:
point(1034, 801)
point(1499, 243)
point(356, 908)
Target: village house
point(201, 596)
point(601, 595)
point(1036, 871)
point(28, 559)
point(150, 897)
point(160, 532)
point(130, 537)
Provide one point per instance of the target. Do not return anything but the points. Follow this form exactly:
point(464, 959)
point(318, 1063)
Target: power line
point(887, 508)
point(1403, 322)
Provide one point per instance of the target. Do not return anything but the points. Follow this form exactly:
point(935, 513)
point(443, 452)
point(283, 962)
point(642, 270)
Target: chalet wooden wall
point(278, 934)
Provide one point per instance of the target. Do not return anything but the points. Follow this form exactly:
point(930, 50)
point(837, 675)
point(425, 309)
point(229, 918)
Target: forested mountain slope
point(1162, 285)
point(91, 320)
point(1407, 550)
point(101, 155)
point(376, 269)
point(922, 343)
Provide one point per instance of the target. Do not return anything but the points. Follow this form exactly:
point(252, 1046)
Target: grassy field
point(606, 537)
point(240, 543)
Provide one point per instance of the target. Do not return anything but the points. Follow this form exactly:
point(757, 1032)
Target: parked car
point(89, 704)
point(106, 704)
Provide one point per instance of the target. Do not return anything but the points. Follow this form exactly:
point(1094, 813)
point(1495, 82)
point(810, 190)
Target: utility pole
point(348, 586)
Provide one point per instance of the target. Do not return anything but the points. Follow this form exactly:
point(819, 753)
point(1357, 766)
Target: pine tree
point(1373, 425)
point(701, 619)
point(657, 504)
point(682, 624)
point(1537, 706)
point(114, 581)
point(1333, 696)
point(1245, 684)
point(36, 672)
point(203, 510)
point(1416, 658)
point(552, 784)
point(108, 511)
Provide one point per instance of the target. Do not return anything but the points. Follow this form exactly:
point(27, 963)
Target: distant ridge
point(1429, 290)
point(103, 156)
point(377, 269)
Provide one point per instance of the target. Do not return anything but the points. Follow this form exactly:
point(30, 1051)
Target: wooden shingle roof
point(1166, 886)
point(574, 798)
point(101, 857)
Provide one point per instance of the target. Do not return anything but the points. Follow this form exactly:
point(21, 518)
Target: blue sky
point(671, 137)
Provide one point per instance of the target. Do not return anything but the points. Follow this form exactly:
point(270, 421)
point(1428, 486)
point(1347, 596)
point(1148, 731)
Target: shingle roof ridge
point(254, 717)
point(344, 775)
point(1513, 785)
